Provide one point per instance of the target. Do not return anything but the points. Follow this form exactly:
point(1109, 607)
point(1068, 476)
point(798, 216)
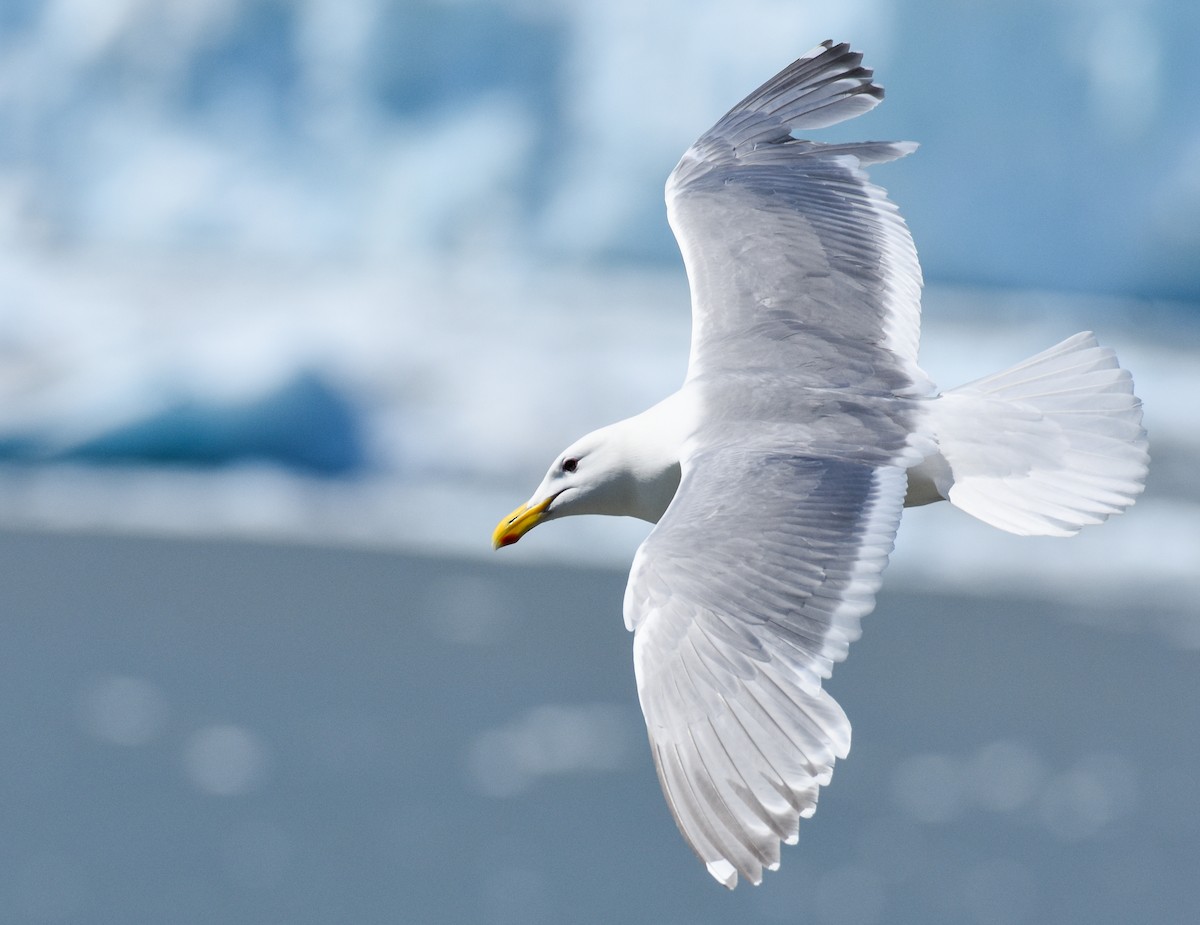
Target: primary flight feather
point(776, 475)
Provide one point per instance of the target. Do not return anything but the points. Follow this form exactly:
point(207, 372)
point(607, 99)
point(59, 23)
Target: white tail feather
point(1045, 447)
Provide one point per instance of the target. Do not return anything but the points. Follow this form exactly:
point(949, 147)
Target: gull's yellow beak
point(518, 523)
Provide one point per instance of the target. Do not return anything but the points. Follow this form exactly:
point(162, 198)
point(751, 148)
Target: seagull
point(777, 474)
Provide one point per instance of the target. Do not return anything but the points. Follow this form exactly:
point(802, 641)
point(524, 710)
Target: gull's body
point(776, 475)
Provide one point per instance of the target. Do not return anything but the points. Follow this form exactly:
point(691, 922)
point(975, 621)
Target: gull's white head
point(588, 477)
point(628, 469)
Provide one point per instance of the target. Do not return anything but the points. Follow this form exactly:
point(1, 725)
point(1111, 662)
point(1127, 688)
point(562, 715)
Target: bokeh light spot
point(122, 710)
point(548, 740)
point(225, 760)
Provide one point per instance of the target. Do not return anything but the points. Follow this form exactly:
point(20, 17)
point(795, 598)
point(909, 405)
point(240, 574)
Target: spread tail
point(1047, 446)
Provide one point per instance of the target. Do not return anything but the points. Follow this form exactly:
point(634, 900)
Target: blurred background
point(297, 298)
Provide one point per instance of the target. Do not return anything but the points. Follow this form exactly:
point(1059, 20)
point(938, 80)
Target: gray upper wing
point(796, 261)
point(742, 598)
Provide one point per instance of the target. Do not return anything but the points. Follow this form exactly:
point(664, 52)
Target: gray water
point(220, 732)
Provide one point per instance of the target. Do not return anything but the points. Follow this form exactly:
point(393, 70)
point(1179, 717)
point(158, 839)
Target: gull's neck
point(651, 446)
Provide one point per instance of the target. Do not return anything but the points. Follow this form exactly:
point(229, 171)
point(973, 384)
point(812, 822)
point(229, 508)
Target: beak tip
point(518, 523)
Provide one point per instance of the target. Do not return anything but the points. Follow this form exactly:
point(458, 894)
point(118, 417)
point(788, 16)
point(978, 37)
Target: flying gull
point(776, 475)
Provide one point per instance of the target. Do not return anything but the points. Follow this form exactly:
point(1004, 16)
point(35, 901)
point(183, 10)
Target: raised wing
point(742, 598)
point(796, 261)
point(806, 315)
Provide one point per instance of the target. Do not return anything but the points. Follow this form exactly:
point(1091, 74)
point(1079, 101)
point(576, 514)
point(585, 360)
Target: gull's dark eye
point(570, 464)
